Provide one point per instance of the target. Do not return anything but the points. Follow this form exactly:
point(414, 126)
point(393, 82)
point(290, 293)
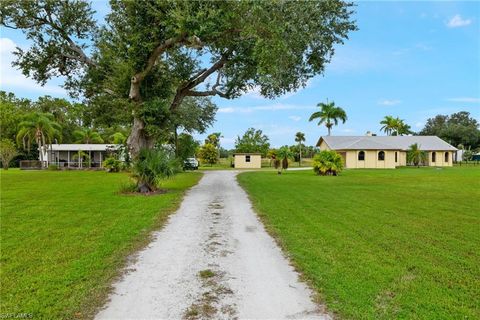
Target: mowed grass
point(65, 237)
point(380, 244)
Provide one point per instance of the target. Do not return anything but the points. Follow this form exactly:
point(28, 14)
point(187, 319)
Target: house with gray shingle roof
point(387, 151)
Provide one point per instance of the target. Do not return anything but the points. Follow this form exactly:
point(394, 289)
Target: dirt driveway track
point(212, 260)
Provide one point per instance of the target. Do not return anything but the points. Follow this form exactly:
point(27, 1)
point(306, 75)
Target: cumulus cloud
point(457, 21)
point(387, 102)
point(465, 99)
point(12, 79)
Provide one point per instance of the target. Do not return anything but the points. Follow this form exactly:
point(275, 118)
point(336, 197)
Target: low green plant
point(53, 167)
point(112, 165)
point(327, 163)
point(151, 167)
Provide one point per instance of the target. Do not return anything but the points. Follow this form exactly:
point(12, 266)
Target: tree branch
point(186, 89)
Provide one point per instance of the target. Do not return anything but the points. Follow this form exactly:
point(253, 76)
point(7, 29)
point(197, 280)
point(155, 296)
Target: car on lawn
point(190, 164)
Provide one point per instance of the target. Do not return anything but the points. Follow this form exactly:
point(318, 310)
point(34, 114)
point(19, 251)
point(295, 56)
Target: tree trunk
point(138, 138)
point(176, 141)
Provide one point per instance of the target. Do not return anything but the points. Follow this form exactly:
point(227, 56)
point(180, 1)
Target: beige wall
point(440, 159)
point(255, 161)
point(371, 159)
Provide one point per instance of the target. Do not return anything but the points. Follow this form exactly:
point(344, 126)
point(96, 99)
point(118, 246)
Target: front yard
point(380, 244)
point(64, 236)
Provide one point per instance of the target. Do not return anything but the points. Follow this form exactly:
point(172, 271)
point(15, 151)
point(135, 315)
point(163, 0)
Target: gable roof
point(427, 143)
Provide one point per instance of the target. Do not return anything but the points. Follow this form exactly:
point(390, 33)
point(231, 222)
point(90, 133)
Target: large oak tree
point(150, 55)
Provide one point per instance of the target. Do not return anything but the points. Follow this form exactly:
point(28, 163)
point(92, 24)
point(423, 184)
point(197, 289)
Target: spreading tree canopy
point(150, 55)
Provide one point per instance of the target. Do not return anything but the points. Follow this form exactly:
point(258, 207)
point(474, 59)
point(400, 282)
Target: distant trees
point(395, 126)
point(253, 141)
point(187, 146)
point(87, 135)
point(329, 115)
point(457, 128)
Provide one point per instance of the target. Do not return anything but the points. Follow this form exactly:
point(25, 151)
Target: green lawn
point(380, 244)
point(65, 237)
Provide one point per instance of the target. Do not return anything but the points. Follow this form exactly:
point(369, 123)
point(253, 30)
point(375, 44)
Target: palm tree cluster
point(395, 126)
point(39, 128)
point(329, 115)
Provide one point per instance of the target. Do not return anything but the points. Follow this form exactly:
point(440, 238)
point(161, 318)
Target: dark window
point(247, 158)
point(434, 156)
point(381, 155)
point(361, 156)
point(446, 156)
point(396, 156)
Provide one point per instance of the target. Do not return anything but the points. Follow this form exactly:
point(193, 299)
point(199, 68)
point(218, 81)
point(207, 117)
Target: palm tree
point(395, 126)
point(39, 128)
point(283, 154)
point(390, 124)
point(300, 137)
point(403, 128)
point(87, 135)
point(415, 155)
point(329, 114)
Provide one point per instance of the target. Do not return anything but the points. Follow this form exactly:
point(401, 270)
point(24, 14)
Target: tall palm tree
point(329, 114)
point(300, 137)
point(390, 125)
point(39, 128)
point(403, 128)
point(87, 135)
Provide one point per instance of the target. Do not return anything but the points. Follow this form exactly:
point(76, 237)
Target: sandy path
point(213, 259)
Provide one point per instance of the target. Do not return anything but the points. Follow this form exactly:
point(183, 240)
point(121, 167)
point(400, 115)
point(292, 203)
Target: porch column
point(101, 162)
point(90, 156)
point(68, 159)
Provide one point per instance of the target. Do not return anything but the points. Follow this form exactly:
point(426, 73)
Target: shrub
point(112, 164)
point(7, 152)
point(53, 167)
point(208, 153)
point(151, 167)
point(327, 163)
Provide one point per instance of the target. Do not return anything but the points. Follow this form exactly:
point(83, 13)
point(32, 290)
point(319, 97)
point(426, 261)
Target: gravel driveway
point(213, 260)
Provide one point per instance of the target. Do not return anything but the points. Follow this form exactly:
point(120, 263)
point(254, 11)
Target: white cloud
point(387, 102)
point(457, 21)
point(226, 110)
point(12, 79)
point(465, 99)
point(419, 125)
point(268, 107)
point(295, 118)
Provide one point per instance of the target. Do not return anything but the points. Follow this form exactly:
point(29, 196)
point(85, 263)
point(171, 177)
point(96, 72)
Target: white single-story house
point(247, 160)
point(387, 151)
point(77, 155)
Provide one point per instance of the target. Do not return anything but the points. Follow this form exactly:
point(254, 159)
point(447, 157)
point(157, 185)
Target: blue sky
point(409, 59)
